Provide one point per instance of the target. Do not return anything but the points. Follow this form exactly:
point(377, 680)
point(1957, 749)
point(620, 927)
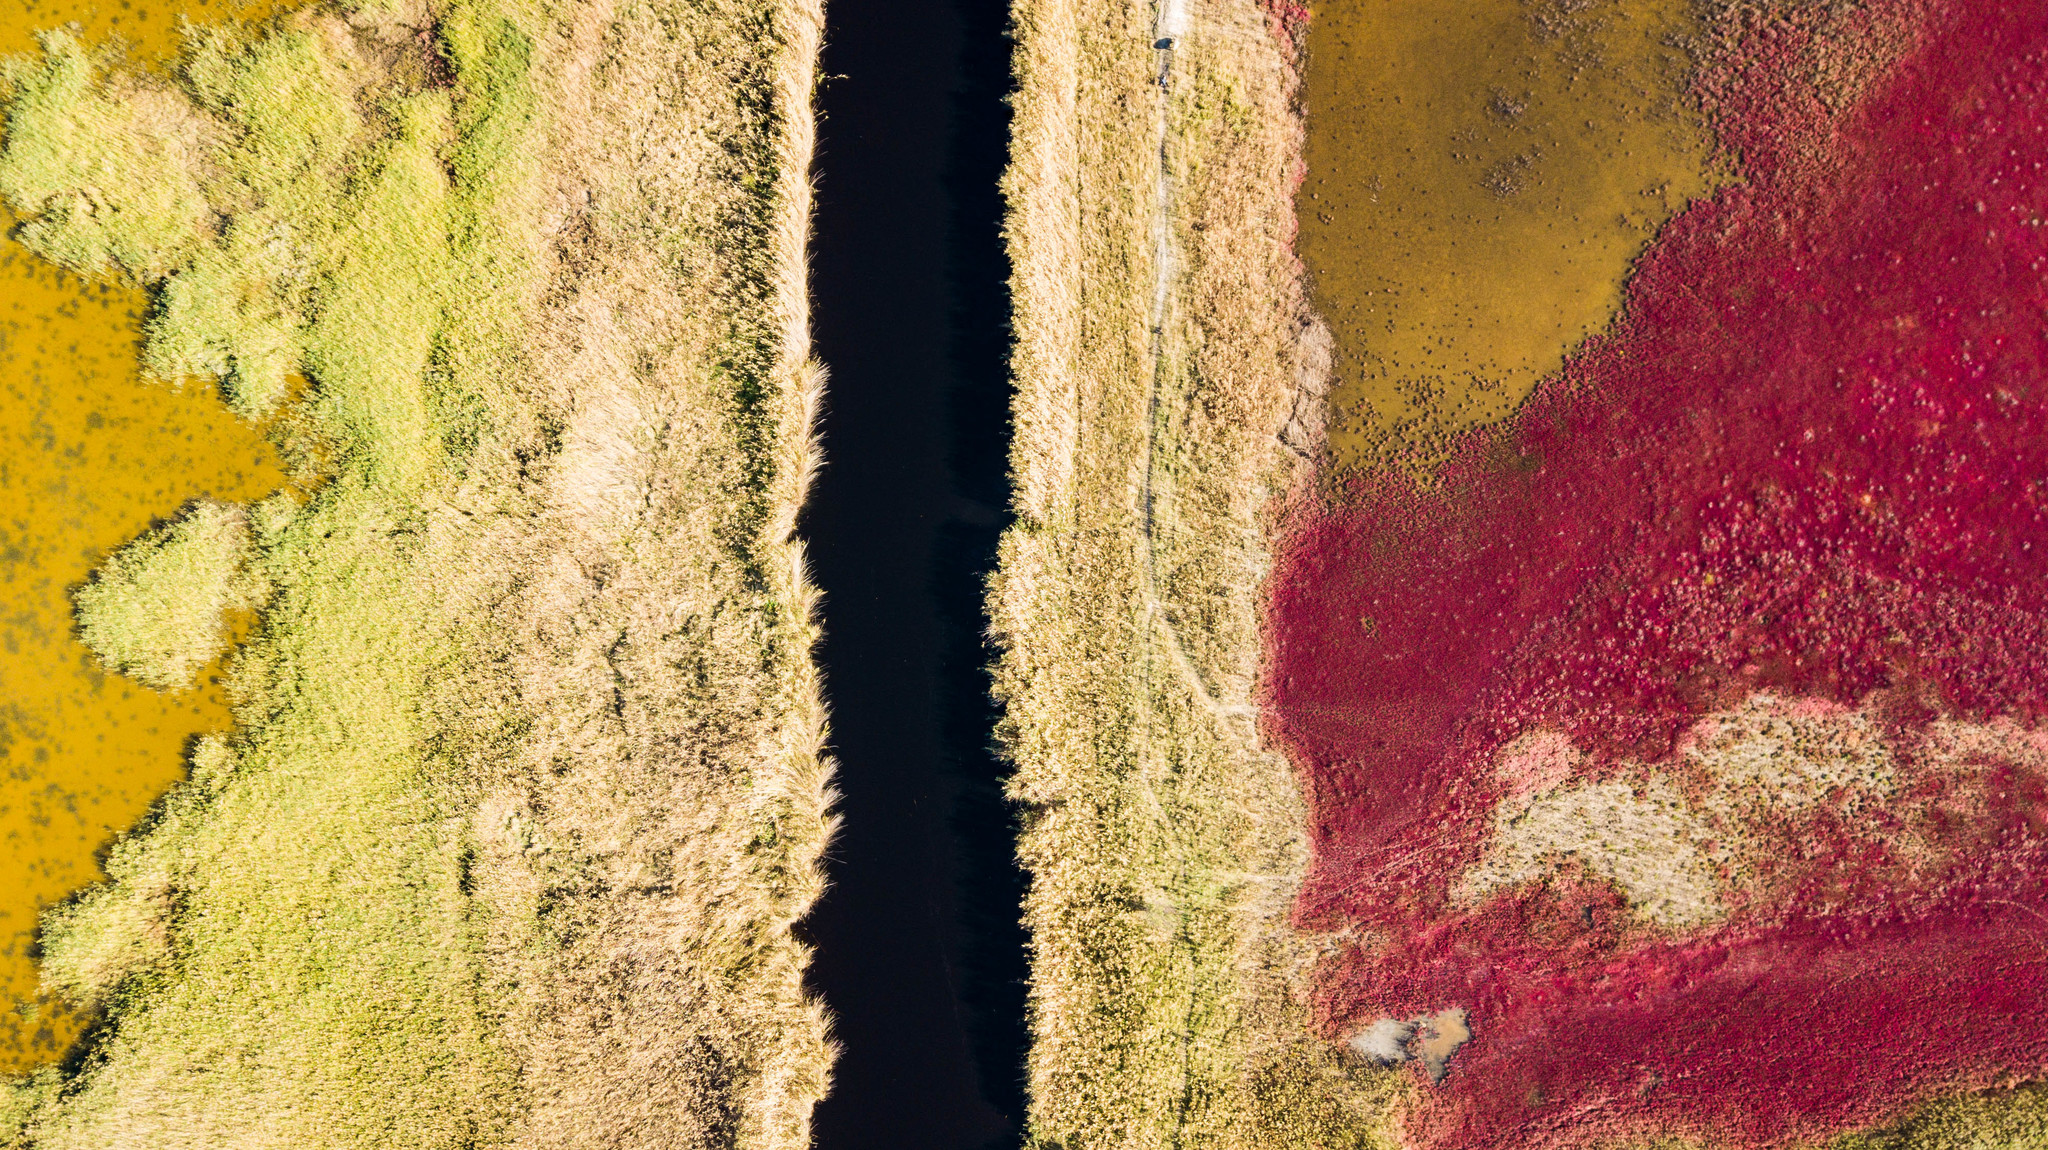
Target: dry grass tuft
point(1163, 350)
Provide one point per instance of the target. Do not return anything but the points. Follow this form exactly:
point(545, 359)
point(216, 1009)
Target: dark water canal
point(920, 955)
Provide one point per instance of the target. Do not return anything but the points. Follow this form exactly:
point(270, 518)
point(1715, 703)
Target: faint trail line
point(1169, 26)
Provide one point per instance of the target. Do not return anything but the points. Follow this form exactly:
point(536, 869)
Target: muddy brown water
point(1481, 174)
point(90, 455)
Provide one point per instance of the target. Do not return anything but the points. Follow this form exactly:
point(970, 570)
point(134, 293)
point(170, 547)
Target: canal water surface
point(920, 953)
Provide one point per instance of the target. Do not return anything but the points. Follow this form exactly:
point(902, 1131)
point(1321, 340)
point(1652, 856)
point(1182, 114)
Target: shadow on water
point(920, 954)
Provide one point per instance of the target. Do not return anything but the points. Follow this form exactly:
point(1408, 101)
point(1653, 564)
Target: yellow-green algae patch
point(89, 456)
point(1480, 176)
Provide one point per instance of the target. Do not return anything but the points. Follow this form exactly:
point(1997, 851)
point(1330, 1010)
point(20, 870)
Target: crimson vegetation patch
point(1686, 731)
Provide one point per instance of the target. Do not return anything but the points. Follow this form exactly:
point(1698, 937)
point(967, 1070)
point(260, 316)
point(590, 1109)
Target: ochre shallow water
point(1481, 173)
point(90, 454)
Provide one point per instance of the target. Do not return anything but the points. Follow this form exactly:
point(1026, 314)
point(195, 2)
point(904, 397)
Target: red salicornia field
point(1686, 730)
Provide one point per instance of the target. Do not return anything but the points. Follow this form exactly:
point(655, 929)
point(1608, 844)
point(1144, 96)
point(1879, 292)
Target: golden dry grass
point(1163, 353)
point(527, 787)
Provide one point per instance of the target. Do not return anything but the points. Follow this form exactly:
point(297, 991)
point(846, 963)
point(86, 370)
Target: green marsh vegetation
point(159, 610)
point(525, 789)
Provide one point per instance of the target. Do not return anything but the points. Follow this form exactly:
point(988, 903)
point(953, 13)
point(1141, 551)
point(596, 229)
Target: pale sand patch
point(1771, 764)
point(1438, 1037)
point(1645, 840)
point(1789, 755)
point(1432, 1038)
point(1385, 1041)
point(1538, 761)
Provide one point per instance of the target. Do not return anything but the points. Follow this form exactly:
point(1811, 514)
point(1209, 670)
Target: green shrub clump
point(159, 610)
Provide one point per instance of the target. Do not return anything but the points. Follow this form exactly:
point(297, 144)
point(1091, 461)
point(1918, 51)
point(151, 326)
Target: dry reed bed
point(527, 784)
point(1163, 351)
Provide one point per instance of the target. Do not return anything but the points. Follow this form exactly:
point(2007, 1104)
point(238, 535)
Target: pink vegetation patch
point(1812, 460)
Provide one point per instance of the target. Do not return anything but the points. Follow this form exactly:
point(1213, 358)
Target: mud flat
point(1481, 176)
point(524, 787)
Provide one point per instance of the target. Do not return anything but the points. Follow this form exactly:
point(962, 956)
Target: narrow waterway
point(920, 955)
